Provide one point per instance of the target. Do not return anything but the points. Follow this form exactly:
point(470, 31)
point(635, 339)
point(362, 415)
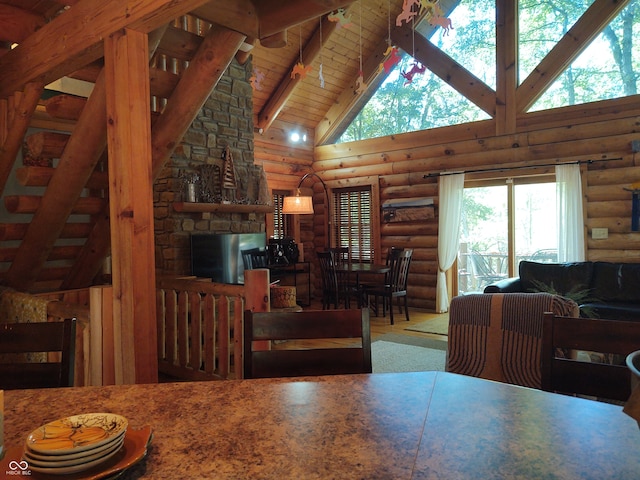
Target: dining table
point(356, 269)
point(417, 425)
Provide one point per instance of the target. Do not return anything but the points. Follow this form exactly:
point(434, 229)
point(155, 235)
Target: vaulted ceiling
point(190, 45)
point(51, 43)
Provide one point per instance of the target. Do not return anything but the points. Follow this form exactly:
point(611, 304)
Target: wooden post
point(257, 299)
point(131, 204)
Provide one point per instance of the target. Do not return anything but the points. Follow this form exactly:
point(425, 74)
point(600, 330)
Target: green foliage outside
point(607, 69)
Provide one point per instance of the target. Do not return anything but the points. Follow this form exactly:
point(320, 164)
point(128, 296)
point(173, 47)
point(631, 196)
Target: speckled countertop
point(384, 426)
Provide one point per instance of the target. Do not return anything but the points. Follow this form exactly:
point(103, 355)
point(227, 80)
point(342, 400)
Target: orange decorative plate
point(132, 451)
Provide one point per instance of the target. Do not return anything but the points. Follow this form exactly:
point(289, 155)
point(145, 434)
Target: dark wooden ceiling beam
point(65, 44)
point(445, 67)
point(278, 15)
point(588, 26)
point(264, 18)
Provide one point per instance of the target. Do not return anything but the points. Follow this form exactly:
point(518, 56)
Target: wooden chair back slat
point(568, 375)
point(309, 324)
point(16, 372)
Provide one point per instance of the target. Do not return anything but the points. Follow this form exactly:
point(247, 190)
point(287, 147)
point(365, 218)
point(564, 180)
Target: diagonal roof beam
point(445, 67)
point(588, 26)
point(65, 44)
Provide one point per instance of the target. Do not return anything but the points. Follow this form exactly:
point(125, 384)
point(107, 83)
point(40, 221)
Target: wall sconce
point(303, 204)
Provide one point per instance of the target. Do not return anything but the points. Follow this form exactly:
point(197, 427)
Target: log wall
point(598, 131)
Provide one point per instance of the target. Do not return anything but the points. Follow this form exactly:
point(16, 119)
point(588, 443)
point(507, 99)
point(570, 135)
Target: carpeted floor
point(438, 325)
point(403, 353)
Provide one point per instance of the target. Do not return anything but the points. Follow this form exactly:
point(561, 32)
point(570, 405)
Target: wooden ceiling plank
point(588, 26)
point(446, 68)
point(82, 152)
point(348, 100)
point(65, 44)
point(287, 85)
point(21, 118)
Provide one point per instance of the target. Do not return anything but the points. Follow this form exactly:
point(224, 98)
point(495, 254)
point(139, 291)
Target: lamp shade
point(298, 205)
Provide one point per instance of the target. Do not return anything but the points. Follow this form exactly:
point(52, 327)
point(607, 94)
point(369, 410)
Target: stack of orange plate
point(74, 444)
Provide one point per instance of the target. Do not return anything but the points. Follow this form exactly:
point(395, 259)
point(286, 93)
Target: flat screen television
point(217, 255)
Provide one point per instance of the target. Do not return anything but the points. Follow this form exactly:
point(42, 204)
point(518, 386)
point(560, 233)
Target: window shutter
point(352, 218)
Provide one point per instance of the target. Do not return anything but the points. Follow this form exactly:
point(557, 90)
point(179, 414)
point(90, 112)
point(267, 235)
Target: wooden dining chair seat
point(55, 339)
point(334, 290)
point(395, 285)
point(297, 357)
point(564, 373)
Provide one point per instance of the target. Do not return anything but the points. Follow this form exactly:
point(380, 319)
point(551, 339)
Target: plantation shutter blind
point(352, 219)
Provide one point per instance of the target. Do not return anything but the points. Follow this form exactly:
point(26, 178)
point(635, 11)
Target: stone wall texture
point(226, 120)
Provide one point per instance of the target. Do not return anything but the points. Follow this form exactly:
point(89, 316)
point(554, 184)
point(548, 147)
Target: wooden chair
point(395, 283)
point(332, 293)
point(254, 258)
point(288, 361)
point(18, 340)
point(568, 375)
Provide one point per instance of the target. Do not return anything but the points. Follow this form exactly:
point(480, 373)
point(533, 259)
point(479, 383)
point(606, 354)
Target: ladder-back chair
point(291, 360)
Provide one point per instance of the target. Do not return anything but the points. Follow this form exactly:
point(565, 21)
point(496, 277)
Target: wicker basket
point(283, 297)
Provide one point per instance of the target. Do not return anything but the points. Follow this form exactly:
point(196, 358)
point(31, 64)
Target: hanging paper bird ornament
point(339, 17)
point(360, 85)
point(407, 12)
point(300, 69)
point(443, 22)
point(392, 58)
point(432, 8)
point(416, 68)
point(256, 79)
point(321, 77)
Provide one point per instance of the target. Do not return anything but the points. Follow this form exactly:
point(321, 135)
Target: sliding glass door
point(501, 225)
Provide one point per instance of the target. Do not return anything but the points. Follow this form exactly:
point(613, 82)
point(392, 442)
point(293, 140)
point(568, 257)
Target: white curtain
point(450, 209)
point(570, 218)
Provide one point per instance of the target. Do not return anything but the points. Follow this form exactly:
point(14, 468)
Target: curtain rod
point(504, 169)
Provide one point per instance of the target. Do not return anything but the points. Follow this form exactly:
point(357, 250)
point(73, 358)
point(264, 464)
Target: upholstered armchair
point(499, 336)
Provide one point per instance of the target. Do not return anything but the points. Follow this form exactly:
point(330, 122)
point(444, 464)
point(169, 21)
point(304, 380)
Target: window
point(489, 214)
point(352, 215)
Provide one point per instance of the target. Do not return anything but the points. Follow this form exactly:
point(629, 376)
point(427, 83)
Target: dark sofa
point(612, 289)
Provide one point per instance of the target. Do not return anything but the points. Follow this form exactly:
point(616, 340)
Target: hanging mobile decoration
point(391, 55)
point(407, 12)
point(416, 67)
point(340, 18)
point(360, 85)
point(300, 68)
point(320, 76)
point(434, 14)
point(256, 80)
